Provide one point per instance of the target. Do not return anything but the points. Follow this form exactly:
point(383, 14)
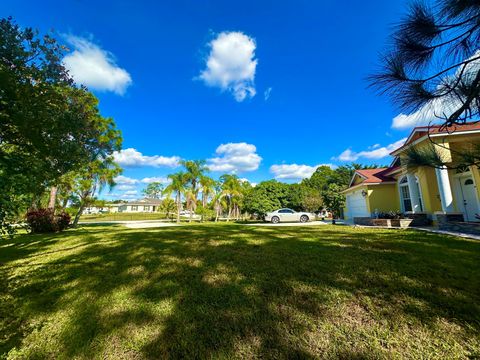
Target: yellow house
point(434, 192)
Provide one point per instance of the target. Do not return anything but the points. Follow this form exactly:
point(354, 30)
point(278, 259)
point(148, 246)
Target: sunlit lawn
point(228, 290)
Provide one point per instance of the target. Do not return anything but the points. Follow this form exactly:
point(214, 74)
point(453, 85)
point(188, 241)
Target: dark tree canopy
point(434, 61)
point(48, 126)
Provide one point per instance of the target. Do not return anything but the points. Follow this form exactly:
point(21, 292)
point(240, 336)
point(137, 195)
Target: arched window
point(405, 194)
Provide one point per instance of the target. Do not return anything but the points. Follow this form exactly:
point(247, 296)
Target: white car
point(288, 215)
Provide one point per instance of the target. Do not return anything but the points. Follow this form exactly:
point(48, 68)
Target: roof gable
point(372, 176)
point(421, 132)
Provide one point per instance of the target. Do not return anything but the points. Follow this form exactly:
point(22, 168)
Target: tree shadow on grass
point(232, 290)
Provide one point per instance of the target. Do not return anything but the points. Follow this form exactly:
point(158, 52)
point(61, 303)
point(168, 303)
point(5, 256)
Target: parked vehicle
point(289, 215)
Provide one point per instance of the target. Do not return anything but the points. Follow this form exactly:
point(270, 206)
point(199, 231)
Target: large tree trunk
point(229, 213)
point(79, 213)
point(53, 198)
point(77, 216)
point(203, 206)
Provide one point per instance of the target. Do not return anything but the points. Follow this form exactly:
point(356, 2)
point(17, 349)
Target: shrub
point(45, 220)
point(392, 215)
point(62, 221)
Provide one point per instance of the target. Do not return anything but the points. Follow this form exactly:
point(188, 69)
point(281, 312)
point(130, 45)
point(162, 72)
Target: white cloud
point(246, 180)
point(125, 187)
point(95, 67)
point(133, 158)
point(440, 107)
point(375, 153)
point(426, 115)
point(267, 93)
point(231, 65)
point(126, 195)
point(125, 180)
point(149, 180)
point(294, 171)
point(235, 158)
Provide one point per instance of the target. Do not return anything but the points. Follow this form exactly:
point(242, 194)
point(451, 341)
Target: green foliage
point(266, 196)
point(424, 156)
point(178, 186)
point(233, 196)
point(233, 192)
point(167, 206)
point(433, 61)
point(154, 190)
point(45, 220)
point(92, 179)
point(303, 198)
point(321, 178)
point(333, 199)
point(48, 127)
point(206, 212)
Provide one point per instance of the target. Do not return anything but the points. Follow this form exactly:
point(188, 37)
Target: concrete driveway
point(310, 223)
point(149, 224)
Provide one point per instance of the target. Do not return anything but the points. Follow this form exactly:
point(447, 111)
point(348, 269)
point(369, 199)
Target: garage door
point(357, 205)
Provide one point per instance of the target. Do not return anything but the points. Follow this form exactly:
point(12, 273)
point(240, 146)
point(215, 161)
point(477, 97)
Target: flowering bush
point(45, 220)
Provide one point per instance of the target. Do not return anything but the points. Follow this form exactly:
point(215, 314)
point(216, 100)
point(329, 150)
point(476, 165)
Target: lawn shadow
point(233, 290)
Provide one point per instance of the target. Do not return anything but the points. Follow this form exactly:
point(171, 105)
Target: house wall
point(454, 188)
point(357, 180)
point(383, 198)
point(476, 178)
point(128, 208)
point(380, 197)
point(429, 188)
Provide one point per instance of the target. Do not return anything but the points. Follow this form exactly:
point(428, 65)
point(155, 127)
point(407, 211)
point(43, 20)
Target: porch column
point(414, 194)
point(445, 189)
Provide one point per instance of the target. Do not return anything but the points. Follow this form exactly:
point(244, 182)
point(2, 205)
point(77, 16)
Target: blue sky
point(265, 89)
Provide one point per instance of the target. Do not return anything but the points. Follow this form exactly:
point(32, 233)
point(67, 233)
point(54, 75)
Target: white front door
point(468, 201)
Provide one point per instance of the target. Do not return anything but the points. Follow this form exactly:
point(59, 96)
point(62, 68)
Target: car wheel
point(275, 220)
point(303, 218)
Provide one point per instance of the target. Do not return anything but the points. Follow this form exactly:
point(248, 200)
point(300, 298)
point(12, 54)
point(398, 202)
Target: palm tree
point(95, 176)
point(168, 206)
point(195, 169)
point(207, 187)
point(178, 185)
point(232, 191)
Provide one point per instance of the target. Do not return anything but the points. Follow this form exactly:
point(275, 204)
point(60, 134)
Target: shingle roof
point(145, 201)
point(421, 131)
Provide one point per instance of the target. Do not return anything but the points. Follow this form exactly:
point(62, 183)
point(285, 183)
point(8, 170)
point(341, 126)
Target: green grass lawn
point(232, 291)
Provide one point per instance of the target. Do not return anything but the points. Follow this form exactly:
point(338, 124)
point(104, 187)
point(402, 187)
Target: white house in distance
point(143, 205)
